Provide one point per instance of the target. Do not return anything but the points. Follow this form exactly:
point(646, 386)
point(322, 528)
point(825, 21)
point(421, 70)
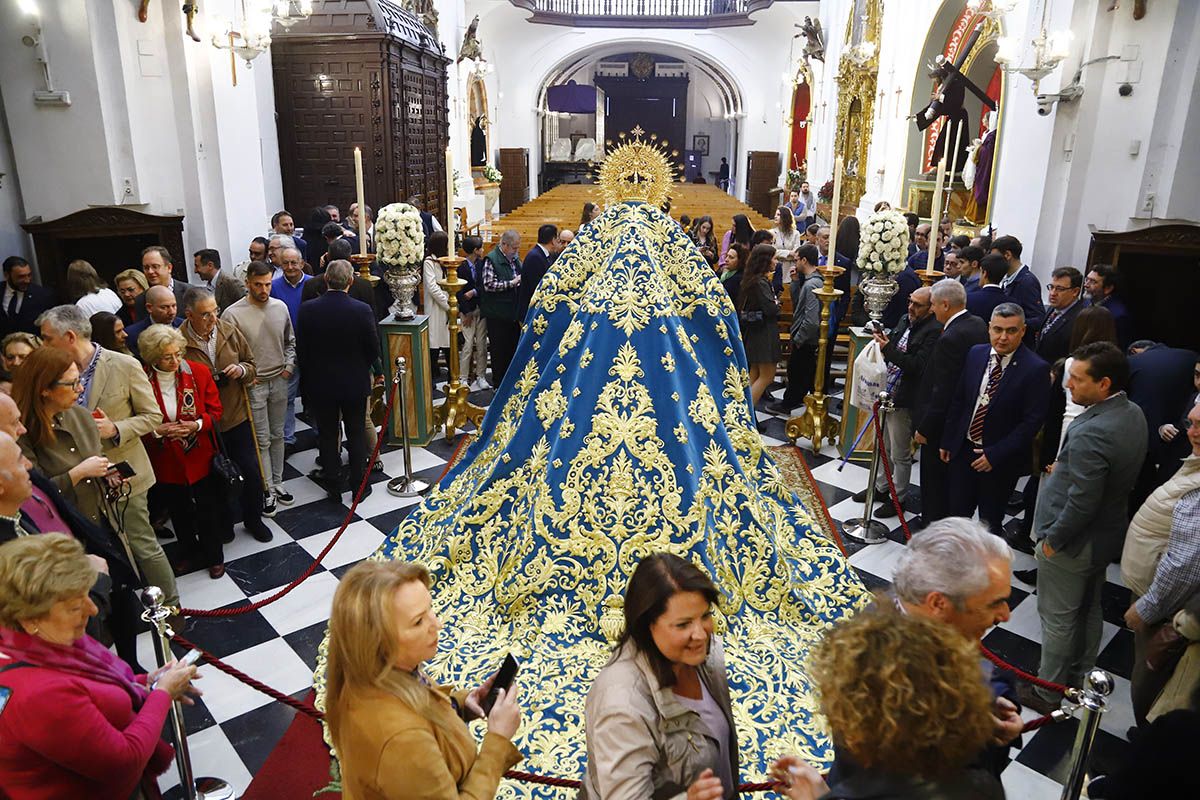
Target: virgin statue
point(624, 427)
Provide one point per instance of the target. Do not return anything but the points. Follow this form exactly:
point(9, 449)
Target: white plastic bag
point(870, 377)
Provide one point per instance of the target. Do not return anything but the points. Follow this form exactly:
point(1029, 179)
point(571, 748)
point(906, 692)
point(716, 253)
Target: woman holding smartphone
point(396, 733)
point(61, 438)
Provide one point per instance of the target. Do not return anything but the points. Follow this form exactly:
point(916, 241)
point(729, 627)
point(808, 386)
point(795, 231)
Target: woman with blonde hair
point(907, 704)
point(182, 447)
point(131, 286)
point(87, 291)
point(76, 721)
point(395, 732)
point(16, 347)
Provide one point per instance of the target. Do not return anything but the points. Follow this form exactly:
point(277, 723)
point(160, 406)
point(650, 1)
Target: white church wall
point(1110, 161)
point(154, 122)
point(13, 240)
point(61, 153)
point(525, 55)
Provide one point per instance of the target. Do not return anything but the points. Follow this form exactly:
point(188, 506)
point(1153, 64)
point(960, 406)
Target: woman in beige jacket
point(658, 717)
point(395, 733)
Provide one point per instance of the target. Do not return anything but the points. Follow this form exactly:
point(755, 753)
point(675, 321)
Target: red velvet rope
point(246, 609)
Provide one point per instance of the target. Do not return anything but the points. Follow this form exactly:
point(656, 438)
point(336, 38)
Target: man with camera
point(219, 345)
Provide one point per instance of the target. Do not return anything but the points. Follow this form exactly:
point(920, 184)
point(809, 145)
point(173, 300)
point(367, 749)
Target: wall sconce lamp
point(1048, 52)
point(48, 96)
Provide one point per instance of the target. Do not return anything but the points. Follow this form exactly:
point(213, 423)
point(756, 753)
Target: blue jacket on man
point(1026, 291)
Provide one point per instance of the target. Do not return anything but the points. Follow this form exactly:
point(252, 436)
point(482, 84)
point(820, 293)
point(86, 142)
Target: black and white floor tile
point(233, 728)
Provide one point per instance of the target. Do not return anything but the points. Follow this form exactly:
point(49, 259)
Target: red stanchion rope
point(995, 659)
point(246, 609)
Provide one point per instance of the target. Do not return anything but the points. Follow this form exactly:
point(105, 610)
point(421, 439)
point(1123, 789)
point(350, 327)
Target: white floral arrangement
point(883, 246)
point(399, 235)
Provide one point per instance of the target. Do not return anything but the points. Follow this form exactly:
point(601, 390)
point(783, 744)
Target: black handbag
point(225, 468)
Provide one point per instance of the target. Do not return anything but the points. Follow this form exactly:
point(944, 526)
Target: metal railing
point(640, 8)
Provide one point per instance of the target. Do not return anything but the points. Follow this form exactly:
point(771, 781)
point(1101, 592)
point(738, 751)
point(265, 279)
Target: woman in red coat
point(74, 719)
point(182, 448)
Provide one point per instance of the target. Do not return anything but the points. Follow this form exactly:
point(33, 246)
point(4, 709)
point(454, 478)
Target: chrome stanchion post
point(192, 788)
point(1093, 699)
point(406, 485)
point(866, 529)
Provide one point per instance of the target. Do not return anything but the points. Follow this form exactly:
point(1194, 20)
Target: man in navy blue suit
point(1021, 285)
point(21, 300)
point(1101, 285)
point(336, 345)
point(908, 279)
point(998, 408)
point(982, 300)
point(536, 262)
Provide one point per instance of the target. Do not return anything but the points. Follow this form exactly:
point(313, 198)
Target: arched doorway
point(966, 202)
point(478, 123)
point(711, 106)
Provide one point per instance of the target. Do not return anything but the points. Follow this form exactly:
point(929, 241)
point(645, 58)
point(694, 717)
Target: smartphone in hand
point(504, 680)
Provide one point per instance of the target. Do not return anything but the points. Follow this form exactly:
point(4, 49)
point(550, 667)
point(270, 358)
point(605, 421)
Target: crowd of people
point(164, 401)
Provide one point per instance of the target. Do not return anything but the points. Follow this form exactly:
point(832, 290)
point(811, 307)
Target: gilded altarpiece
point(858, 70)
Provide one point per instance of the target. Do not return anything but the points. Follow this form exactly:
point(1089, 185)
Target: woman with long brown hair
point(702, 234)
point(758, 315)
point(392, 727)
point(61, 438)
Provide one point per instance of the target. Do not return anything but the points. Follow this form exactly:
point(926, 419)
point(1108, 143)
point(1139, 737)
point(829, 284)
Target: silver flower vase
point(877, 292)
point(402, 280)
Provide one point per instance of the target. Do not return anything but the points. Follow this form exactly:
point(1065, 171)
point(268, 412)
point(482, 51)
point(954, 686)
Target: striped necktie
point(975, 432)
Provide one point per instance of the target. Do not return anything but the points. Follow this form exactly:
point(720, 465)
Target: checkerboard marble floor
point(233, 728)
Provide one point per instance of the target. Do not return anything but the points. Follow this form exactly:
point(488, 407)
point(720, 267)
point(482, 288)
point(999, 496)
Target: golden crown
point(637, 169)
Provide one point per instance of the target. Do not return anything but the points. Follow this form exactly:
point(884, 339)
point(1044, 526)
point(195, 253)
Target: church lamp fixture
point(992, 9)
point(48, 96)
point(288, 12)
point(1049, 50)
point(251, 41)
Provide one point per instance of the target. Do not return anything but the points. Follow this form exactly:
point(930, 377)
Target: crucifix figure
point(949, 98)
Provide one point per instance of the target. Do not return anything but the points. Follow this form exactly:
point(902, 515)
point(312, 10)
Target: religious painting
point(700, 143)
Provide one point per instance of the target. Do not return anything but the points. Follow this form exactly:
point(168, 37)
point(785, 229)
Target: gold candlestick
point(363, 262)
point(814, 424)
point(456, 408)
point(930, 276)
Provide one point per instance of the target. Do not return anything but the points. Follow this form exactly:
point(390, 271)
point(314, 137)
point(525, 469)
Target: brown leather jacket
point(232, 348)
point(388, 751)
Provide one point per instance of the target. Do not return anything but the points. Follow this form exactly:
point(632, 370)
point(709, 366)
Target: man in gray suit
point(1081, 512)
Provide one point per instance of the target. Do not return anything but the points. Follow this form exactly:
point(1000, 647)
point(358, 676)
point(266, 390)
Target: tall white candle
point(833, 211)
point(450, 198)
point(953, 168)
point(935, 213)
point(362, 202)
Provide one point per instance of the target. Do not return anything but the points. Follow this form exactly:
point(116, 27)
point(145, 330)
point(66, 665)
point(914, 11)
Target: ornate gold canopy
point(858, 70)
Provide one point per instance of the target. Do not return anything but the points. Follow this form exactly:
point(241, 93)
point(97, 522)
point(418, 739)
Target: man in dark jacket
point(536, 262)
point(21, 300)
point(473, 355)
point(500, 278)
point(1021, 285)
point(805, 331)
point(336, 349)
point(960, 332)
point(907, 353)
point(1053, 341)
point(1160, 383)
point(983, 299)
